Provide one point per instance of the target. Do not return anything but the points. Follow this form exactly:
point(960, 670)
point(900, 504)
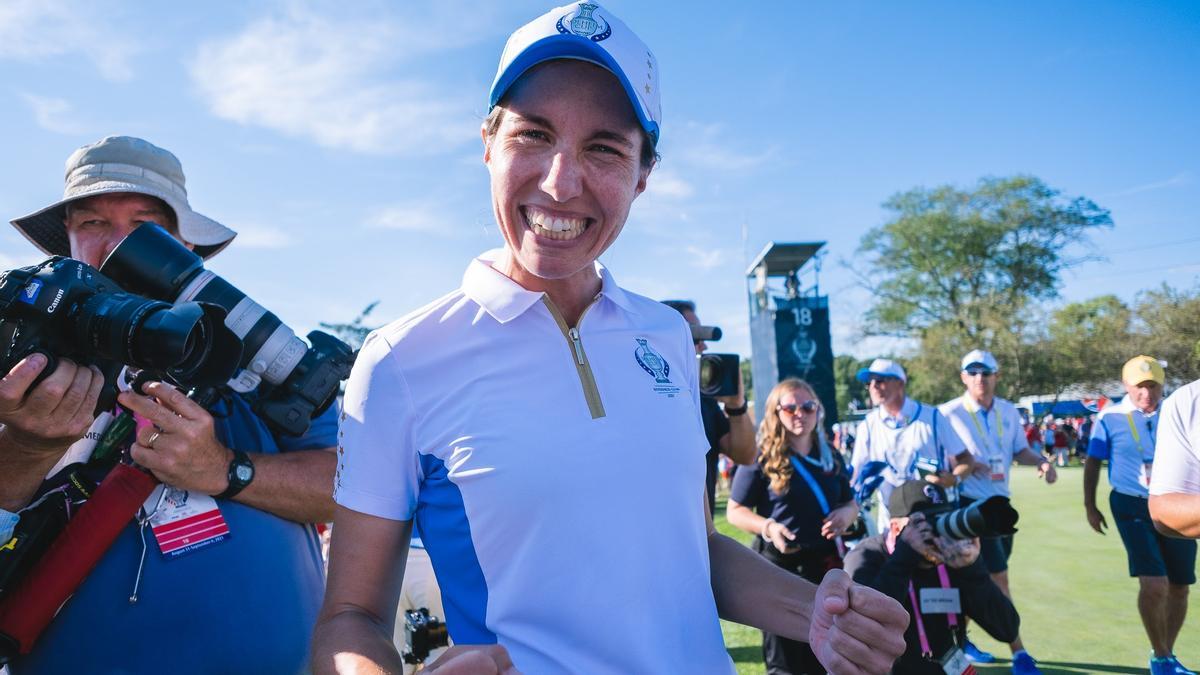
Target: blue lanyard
point(812, 485)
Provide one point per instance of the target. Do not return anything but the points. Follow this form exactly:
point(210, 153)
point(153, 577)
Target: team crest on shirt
point(656, 366)
point(582, 23)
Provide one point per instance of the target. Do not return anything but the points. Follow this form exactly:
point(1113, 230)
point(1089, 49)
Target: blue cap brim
point(568, 46)
point(865, 374)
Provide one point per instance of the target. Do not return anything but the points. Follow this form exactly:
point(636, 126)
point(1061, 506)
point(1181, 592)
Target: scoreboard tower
point(789, 323)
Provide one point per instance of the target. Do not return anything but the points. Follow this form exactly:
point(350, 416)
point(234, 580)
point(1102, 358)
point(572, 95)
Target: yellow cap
point(1140, 369)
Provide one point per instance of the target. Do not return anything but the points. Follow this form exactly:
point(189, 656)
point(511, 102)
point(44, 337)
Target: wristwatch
point(241, 472)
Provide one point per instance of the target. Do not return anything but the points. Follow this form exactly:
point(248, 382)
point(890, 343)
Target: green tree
point(354, 332)
point(1088, 342)
point(967, 269)
point(1169, 330)
point(848, 390)
point(962, 257)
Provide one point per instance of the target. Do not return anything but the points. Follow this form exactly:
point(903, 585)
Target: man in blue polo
point(991, 429)
point(1125, 435)
point(901, 439)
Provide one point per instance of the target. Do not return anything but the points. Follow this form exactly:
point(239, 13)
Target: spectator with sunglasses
point(797, 498)
point(991, 429)
point(901, 439)
point(1126, 437)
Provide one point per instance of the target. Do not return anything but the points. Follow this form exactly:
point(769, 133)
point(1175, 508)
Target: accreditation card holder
point(926, 467)
point(184, 521)
point(955, 662)
point(996, 463)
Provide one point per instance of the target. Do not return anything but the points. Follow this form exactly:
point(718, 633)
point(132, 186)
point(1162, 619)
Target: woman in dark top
point(798, 528)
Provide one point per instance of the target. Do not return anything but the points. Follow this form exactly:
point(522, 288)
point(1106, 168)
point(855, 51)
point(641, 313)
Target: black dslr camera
point(991, 517)
point(64, 308)
point(293, 381)
point(422, 634)
point(718, 372)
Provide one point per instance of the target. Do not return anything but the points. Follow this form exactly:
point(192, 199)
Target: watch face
point(244, 473)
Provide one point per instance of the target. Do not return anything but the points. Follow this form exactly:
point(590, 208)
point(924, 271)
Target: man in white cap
point(1175, 485)
point(1124, 436)
point(899, 440)
point(990, 428)
point(245, 595)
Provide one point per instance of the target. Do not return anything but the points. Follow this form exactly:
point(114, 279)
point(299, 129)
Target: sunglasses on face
point(978, 372)
point(793, 408)
point(880, 380)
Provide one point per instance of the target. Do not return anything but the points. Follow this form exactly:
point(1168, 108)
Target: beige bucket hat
point(124, 164)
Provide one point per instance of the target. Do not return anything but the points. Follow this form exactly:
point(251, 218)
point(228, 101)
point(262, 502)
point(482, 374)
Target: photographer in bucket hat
point(492, 417)
point(1125, 435)
point(245, 595)
point(124, 165)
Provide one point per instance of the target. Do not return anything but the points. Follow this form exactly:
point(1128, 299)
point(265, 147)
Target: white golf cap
point(882, 368)
point(979, 357)
point(587, 32)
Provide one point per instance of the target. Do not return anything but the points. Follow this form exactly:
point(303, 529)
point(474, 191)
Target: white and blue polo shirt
point(1177, 453)
point(994, 436)
point(1125, 436)
point(556, 473)
point(897, 448)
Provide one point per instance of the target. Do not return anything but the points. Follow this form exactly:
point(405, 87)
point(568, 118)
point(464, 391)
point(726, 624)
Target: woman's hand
point(779, 536)
point(839, 520)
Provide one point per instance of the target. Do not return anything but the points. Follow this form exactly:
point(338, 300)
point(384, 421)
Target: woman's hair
point(775, 453)
point(492, 124)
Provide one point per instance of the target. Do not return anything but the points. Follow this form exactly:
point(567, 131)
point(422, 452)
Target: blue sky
point(341, 138)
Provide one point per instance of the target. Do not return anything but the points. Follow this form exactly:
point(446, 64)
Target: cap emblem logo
point(584, 24)
point(932, 493)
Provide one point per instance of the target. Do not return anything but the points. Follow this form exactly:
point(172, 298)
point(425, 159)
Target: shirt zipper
point(584, 369)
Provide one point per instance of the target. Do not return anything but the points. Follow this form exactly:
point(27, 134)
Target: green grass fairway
point(1071, 586)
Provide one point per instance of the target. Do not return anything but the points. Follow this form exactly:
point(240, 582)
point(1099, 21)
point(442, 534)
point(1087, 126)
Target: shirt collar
point(907, 411)
point(1130, 408)
point(974, 407)
point(505, 299)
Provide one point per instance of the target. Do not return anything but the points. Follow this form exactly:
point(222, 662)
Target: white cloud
point(263, 237)
point(334, 78)
point(707, 148)
point(53, 114)
point(410, 217)
point(35, 30)
point(668, 185)
point(1174, 181)
point(705, 259)
point(10, 261)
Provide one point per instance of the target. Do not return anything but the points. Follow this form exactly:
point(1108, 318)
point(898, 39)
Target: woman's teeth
point(550, 227)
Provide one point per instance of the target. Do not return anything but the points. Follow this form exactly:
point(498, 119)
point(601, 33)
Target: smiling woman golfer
point(501, 416)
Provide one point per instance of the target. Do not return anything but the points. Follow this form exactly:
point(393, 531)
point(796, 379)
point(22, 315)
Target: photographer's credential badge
point(656, 366)
point(184, 521)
